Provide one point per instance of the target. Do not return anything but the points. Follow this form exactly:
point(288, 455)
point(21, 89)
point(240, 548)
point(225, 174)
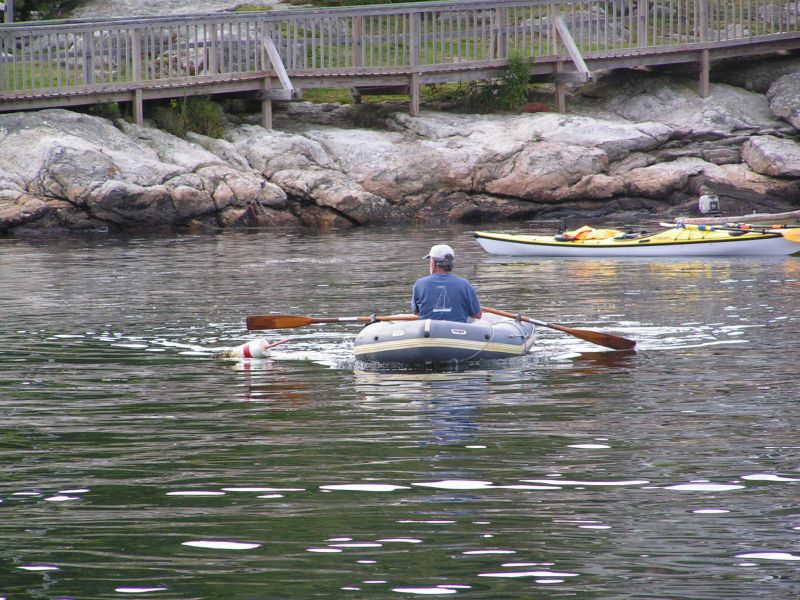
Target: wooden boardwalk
point(390, 47)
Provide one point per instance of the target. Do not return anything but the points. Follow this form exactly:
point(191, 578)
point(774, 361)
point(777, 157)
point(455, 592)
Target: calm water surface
point(138, 463)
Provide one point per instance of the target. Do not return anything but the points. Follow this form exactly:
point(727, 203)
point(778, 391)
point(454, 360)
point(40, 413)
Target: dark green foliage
point(107, 110)
point(513, 93)
point(510, 93)
point(197, 113)
point(49, 9)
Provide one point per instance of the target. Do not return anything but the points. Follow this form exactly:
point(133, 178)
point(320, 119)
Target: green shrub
point(513, 93)
point(49, 9)
point(197, 113)
point(507, 93)
point(107, 110)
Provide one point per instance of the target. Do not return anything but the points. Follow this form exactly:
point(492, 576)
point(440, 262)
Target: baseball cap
point(439, 251)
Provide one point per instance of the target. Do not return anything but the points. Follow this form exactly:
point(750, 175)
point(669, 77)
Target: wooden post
point(501, 37)
point(705, 68)
point(213, 58)
point(136, 58)
point(266, 102)
point(266, 82)
point(414, 38)
point(705, 61)
point(358, 41)
point(88, 58)
point(415, 95)
point(702, 20)
point(641, 23)
point(138, 106)
point(414, 35)
point(558, 66)
point(8, 12)
point(561, 91)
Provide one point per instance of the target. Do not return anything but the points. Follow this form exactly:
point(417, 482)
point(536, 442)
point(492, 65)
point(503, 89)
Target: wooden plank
point(569, 44)
point(277, 64)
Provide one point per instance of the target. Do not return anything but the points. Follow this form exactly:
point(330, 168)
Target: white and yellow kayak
point(679, 240)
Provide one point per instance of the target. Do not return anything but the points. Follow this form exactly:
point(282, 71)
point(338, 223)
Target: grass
point(251, 8)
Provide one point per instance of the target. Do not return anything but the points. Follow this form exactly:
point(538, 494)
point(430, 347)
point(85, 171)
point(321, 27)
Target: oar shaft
point(257, 322)
point(510, 315)
point(601, 339)
point(740, 228)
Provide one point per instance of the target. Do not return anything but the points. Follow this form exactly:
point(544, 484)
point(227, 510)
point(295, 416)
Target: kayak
point(429, 341)
point(678, 241)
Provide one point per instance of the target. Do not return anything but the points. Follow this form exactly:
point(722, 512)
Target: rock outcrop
point(631, 145)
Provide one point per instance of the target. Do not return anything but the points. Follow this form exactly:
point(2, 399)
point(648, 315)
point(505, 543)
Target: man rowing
point(443, 295)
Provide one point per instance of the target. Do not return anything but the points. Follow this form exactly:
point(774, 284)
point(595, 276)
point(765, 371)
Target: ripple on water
point(423, 591)
point(364, 487)
point(220, 545)
point(767, 477)
point(456, 484)
point(770, 556)
point(704, 487)
point(572, 482)
point(262, 489)
point(517, 574)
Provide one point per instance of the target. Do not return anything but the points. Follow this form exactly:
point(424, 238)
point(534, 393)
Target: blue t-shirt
point(444, 297)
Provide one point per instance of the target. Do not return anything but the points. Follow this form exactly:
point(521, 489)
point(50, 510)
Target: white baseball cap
point(440, 251)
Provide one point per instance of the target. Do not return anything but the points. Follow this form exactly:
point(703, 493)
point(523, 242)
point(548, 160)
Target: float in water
point(429, 341)
point(680, 240)
point(258, 348)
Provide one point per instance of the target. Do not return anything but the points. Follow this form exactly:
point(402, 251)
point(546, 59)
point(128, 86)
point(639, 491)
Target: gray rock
point(772, 156)
point(755, 75)
point(784, 98)
point(674, 102)
point(646, 144)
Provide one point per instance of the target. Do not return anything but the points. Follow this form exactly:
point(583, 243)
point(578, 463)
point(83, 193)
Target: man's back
point(444, 296)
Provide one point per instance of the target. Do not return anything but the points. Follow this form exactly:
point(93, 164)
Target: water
point(138, 463)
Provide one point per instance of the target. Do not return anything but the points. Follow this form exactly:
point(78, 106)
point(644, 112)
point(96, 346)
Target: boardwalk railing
point(83, 61)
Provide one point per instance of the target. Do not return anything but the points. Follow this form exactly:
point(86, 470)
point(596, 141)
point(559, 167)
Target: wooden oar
point(601, 339)
point(289, 321)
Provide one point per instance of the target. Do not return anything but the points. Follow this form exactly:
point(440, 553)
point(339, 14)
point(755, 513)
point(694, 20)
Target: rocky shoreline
point(634, 146)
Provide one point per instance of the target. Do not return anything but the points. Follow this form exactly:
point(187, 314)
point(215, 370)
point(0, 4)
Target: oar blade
point(614, 342)
point(258, 322)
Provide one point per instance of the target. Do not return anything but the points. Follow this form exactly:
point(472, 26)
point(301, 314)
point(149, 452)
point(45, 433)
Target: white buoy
point(258, 348)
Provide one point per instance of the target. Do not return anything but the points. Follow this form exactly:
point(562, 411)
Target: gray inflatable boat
point(430, 341)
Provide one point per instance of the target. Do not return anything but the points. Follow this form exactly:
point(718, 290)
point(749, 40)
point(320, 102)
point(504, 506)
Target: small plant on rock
point(198, 113)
